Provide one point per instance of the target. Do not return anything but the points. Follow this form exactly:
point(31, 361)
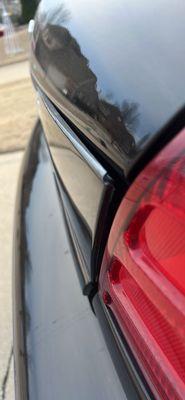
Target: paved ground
point(14, 72)
point(17, 106)
point(9, 168)
point(17, 117)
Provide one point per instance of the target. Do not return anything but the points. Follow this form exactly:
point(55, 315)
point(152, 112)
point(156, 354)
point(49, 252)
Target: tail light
point(142, 278)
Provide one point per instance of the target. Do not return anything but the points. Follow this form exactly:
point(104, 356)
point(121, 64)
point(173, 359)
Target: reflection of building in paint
point(68, 69)
point(10, 40)
point(13, 7)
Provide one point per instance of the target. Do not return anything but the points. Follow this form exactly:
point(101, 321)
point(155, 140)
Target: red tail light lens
point(143, 271)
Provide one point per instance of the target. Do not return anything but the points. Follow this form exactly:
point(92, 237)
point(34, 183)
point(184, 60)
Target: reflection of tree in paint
point(61, 57)
point(130, 114)
point(58, 15)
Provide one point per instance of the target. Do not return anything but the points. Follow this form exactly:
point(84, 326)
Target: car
point(2, 30)
point(99, 233)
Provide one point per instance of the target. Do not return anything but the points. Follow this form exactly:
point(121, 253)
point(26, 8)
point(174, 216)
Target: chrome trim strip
point(73, 138)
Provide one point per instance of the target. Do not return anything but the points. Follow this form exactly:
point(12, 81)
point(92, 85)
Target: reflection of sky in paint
point(145, 41)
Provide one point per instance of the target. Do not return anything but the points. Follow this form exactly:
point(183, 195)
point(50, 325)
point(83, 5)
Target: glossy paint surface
point(83, 184)
point(115, 68)
point(58, 345)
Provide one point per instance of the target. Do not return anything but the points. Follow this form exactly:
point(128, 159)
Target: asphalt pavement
point(17, 116)
point(9, 170)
